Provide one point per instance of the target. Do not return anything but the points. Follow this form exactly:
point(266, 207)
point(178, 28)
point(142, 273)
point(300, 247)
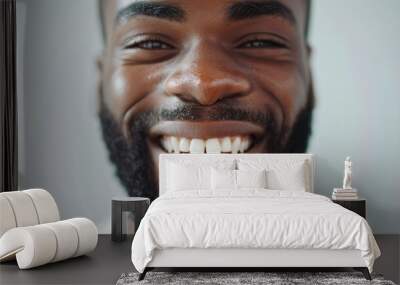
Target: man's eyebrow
point(249, 9)
point(151, 9)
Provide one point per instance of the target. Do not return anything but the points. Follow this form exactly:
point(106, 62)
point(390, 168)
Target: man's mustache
point(193, 112)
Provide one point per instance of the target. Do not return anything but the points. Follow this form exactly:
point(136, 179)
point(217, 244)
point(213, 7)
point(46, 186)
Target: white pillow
point(226, 179)
point(183, 173)
point(223, 179)
point(293, 178)
point(282, 174)
point(251, 178)
point(181, 178)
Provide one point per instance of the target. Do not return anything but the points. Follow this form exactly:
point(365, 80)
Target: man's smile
point(206, 136)
point(212, 77)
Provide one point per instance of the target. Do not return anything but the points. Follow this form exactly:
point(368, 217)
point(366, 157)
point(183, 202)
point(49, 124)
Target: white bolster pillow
point(23, 209)
point(26, 208)
point(40, 244)
point(45, 205)
point(7, 219)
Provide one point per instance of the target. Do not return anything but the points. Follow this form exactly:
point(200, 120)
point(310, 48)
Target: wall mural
point(102, 92)
point(233, 79)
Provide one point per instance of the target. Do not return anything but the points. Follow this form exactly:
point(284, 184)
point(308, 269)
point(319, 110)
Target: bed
point(247, 211)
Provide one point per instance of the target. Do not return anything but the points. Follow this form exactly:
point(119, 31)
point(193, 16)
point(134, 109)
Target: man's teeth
point(184, 145)
point(212, 145)
point(175, 144)
point(236, 145)
point(197, 146)
point(226, 145)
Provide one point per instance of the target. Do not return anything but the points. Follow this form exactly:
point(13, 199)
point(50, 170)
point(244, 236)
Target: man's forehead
point(114, 9)
point(115, 12)
point(119, 4)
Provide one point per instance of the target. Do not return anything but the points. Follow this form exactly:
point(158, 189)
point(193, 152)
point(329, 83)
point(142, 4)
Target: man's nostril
point(185, 97)
point(206, 90)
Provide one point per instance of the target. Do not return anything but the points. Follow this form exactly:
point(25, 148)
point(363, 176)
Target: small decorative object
point(127, 212)
point(347, 174)
point(347, 192)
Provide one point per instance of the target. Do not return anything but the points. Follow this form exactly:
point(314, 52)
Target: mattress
point(251, 219)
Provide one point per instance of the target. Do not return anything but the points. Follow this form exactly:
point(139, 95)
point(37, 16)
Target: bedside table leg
point(116, 223)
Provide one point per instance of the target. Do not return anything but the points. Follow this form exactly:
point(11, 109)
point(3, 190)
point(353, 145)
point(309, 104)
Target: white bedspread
point(253, 218)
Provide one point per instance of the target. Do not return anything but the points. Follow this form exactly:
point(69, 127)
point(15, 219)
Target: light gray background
point(357, 80)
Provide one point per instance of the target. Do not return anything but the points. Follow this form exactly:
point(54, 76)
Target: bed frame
point(249, 259)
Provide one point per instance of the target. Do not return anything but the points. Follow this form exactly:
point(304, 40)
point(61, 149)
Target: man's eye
point(262, 44)
point(150, 44)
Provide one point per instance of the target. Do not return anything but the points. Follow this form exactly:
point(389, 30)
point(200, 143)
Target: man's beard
point(132, 157)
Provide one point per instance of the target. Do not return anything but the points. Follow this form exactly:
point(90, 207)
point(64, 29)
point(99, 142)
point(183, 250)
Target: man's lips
point(206, 136)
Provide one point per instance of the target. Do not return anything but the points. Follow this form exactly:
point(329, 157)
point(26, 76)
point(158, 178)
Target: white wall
point(357, 76)
point(356, 71)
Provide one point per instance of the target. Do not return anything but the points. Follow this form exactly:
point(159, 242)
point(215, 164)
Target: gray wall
point(64, 152)
point(356, 72)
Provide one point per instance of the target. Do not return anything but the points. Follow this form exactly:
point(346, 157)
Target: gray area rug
point(229, 278)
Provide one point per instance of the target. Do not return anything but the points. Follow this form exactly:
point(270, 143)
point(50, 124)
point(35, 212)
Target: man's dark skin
point(202, 69)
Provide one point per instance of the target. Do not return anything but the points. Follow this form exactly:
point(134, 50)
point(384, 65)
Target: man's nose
point(206, 75)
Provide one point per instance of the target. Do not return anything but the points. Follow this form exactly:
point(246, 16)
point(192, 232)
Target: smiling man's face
point(210, 76)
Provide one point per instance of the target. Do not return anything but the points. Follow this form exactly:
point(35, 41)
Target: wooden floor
point(110, 260)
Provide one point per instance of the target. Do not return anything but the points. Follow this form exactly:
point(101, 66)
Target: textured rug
point(244, 278)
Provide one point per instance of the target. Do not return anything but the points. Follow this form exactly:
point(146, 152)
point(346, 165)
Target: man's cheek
point(129, 86)
point(286, 85)
point(294, 95)
point(293, 98)
point(115, 92)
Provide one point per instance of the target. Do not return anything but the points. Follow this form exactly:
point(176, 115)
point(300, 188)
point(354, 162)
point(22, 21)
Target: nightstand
point(120, 205)
point(358, 206)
